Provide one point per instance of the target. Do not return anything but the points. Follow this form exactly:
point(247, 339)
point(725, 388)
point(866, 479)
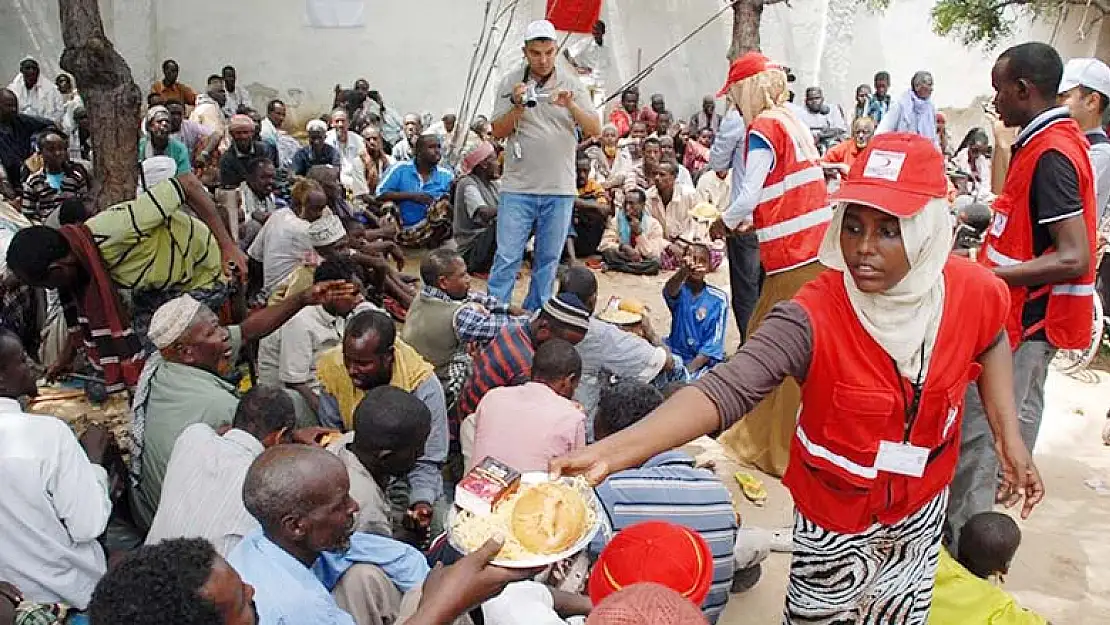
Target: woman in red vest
point(783, 199)
point(883, 347)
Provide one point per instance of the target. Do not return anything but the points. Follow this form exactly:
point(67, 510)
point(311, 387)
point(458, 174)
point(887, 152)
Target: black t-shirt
point(1053, 196)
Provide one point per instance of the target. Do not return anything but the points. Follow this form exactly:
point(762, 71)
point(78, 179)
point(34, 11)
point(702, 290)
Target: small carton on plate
point(485, 486)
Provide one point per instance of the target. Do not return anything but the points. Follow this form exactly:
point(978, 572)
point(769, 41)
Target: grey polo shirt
point(544, 137)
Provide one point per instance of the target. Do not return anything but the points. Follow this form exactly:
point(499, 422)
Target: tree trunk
point(746, 16)
point(111, 98)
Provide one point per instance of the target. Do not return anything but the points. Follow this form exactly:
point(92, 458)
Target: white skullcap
point(317, 125)
point(171, 320)
point(326, 230)
point(450, 112)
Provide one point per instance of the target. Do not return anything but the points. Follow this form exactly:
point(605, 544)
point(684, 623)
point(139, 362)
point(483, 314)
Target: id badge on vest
point(902, 458)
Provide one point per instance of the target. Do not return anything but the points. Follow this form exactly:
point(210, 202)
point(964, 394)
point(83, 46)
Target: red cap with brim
point(654, 551)
point(898, 173)
point(743, 67)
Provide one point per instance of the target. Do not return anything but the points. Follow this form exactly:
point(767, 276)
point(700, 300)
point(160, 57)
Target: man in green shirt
point(148, 246)
point(182, 384)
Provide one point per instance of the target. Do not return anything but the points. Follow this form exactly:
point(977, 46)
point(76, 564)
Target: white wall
point(417, 51)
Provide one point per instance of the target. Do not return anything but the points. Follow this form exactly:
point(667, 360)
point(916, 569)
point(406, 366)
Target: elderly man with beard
point(158, 141)
point(371, 356)
point(476, 201)
point(183, 383)
point(307, 564)
point(243, 149)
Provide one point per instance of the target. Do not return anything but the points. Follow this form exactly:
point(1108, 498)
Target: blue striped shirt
point(669, 488)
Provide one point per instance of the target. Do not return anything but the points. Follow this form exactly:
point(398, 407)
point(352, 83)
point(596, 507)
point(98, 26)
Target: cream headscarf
point(906, 316)
point(765, 94)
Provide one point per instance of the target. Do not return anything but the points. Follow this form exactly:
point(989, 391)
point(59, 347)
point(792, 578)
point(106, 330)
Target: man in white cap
point(445, 127)
point(537, 109)
point(1085, 90)
point(182, 384)
point(317, 152)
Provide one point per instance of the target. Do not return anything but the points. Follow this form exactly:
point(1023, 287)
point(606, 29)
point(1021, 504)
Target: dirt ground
point(1063, 567)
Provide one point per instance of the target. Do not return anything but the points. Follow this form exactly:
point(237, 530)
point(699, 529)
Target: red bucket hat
point(743, 67)
point(898, 173)
point(654, 551)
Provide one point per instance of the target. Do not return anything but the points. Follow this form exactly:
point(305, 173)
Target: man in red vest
point(1041, 242)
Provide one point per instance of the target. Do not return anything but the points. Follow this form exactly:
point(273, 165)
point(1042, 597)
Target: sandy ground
point(1063, 568)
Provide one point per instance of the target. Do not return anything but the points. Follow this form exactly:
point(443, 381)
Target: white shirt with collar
point(202, 493)
point(54, 506)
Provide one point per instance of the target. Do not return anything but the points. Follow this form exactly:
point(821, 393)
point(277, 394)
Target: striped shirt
point(150, 243)
point(202, 492)
point(506, 361)
point(669, 488)
point(41, 198)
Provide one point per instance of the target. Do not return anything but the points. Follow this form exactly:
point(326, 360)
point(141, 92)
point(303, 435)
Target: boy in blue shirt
point(699, 312)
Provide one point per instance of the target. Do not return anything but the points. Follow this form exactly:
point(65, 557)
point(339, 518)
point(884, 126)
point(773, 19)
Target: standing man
point(16, 131)
point(880, 101)
point(1085, 90)
point(591, 58)
point(237, 96)
point(538, 185)
point(170, 89)
point(915, 111)
point(745, 276)
point(1042, 244)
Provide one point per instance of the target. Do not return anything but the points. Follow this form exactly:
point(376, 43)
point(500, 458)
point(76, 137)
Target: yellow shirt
point(410, 370)
point(961, 598)
point(150, 243)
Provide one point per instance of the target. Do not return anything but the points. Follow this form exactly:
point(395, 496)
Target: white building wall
point(416, 52)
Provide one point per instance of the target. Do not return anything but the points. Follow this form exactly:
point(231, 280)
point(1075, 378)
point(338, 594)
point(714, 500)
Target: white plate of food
point(543, 522)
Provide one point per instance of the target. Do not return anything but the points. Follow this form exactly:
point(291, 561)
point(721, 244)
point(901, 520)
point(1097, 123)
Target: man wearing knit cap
point(317, 152)
point(183, 383)
point(538, 106)
point(244, 148)
point(507, 360)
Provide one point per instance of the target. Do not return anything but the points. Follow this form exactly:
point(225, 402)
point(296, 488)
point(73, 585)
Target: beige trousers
point(762, 438)
point(368, 595)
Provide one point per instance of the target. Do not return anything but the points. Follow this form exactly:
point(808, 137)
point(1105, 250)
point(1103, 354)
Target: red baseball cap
point(898, 173)
point(743, 67)
point(654, 551)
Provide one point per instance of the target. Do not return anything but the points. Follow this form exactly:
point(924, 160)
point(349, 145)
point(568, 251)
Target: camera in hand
point(532, 97)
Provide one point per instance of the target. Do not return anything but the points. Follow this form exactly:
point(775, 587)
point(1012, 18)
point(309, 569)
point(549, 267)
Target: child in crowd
point(968, 591)
point(698, 313)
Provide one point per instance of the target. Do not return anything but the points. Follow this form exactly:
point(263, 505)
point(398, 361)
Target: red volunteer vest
point(854, 397)
point(793, 210)
point(1009, 240)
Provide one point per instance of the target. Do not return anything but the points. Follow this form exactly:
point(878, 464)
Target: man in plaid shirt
point(447, 318)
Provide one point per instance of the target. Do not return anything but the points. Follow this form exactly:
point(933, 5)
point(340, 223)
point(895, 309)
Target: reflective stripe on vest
point(791, 181)
point(795, 225)
point(999, 258)
point(1074, 289)
point(819, 451)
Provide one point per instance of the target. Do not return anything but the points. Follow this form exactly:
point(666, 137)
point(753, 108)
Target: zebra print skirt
point(881, 576)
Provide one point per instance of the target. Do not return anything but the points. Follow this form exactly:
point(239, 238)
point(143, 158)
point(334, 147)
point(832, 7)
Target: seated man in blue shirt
point(421, 190)
point(307, 565)
point(699, 312)
point(667, 487)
